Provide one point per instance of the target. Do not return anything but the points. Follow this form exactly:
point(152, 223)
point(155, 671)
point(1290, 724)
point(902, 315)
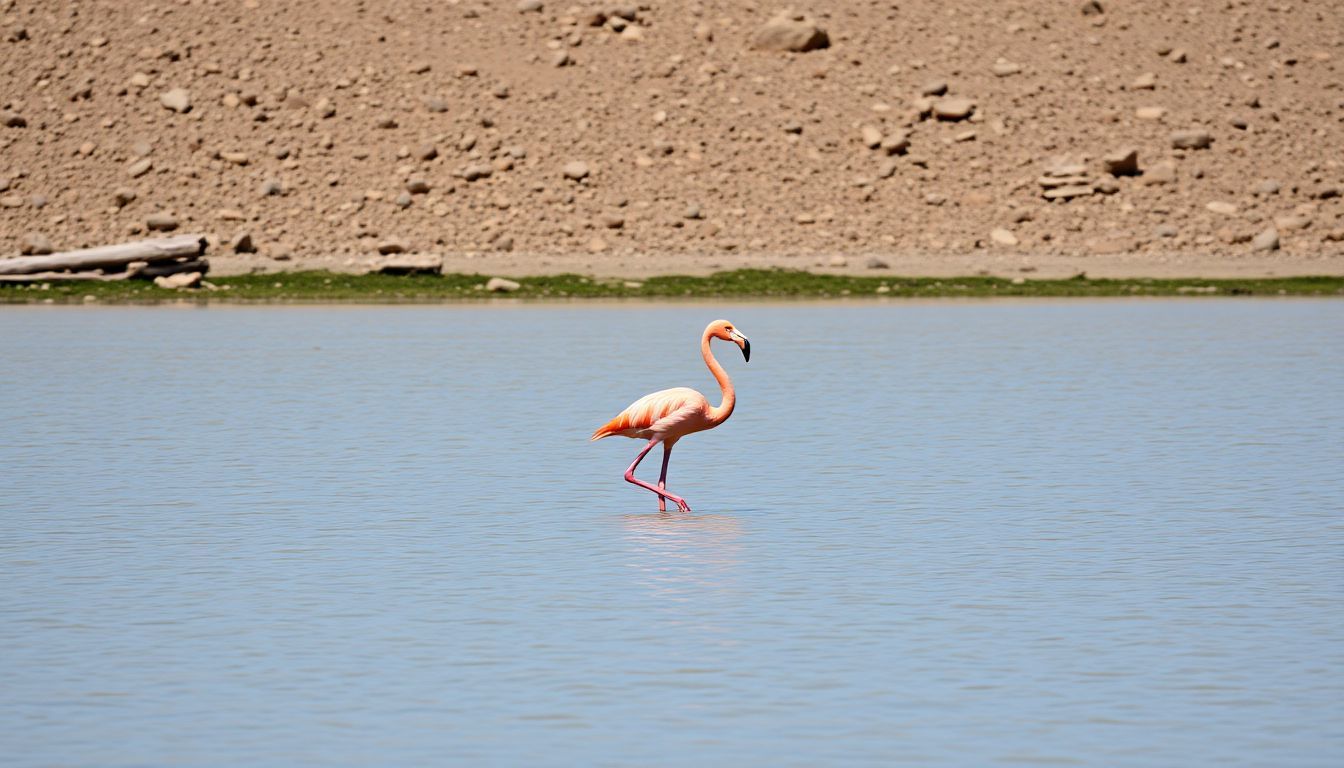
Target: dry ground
point(326, 129)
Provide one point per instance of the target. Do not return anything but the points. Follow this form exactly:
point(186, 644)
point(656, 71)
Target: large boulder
point(790, 31)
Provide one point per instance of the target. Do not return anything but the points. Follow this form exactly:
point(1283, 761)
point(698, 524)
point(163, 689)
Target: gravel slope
point(636, 139)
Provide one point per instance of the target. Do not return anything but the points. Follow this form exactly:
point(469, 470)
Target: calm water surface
point(950, 534)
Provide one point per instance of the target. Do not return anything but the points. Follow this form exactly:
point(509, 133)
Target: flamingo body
point(666, 416)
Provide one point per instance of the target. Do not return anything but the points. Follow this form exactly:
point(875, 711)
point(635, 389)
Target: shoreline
point(319, 287)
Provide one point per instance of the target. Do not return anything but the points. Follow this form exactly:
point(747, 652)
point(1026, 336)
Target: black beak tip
point(746, 350)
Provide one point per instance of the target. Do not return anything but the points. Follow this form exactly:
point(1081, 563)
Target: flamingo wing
point(655, 413)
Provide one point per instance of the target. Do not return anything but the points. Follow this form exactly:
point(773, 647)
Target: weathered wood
point(151, 271)
point(45, 277)
point(158, 249)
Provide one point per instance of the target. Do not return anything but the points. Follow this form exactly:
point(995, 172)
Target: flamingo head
point(722, 329)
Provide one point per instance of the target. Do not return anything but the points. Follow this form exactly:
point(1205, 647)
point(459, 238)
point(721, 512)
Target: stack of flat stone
point(1065, 181)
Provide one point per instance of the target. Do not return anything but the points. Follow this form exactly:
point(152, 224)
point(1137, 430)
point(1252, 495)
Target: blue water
point(942, 534)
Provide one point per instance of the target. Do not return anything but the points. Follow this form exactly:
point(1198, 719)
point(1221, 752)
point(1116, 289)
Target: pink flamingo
point(667, 416)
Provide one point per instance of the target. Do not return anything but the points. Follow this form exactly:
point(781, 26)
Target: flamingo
point(667, 416)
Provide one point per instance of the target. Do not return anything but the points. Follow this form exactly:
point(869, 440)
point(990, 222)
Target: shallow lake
point(934, 534)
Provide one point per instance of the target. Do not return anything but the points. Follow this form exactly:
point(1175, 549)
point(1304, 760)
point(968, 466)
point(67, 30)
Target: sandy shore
point(998, 264)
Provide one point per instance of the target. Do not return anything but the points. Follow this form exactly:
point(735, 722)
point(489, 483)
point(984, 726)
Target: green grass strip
point(321, 287)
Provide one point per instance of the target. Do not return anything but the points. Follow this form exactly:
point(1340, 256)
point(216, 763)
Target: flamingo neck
point(720, 413)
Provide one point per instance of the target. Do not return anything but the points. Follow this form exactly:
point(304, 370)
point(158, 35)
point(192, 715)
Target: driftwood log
point(107, 258)
point(48, 277)
point(162, 268)
point(137, 270)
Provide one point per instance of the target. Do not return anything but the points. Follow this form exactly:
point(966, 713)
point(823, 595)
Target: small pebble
point(576, 170)
point(178, 100)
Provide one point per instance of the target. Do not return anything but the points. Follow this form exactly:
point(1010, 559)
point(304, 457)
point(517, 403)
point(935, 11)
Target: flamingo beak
point(744, 344)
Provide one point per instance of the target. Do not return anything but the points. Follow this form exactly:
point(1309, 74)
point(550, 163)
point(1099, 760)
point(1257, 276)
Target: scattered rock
point(953, 109)
point(1091, 7)
point(271, 188)
point(12, 119)
point(1068, 192)
point(402, 200)
point(613, 221)
point(576, 170)
point(896, 144)
point(178, 100)
point(179, 280)
point(1150, 113)
point(794, 32)
point(35, 244)
point(1266, 241)
point(1192, 139)
point(393, 245)
point(1145, 82)
point(124, 196)
point(1122, 162)
point(530, 6)
point(876, 263)
point(1163, 172)
point(1005, 68)
point(161, 222)
point(871, 136)
point(417, 185)
point(139, 168)
point(478, 171)
point(1220, 207)
point(1291, 222)
point(1268, 187)
point(242, 243)
point(933, 88)
point(502, 285)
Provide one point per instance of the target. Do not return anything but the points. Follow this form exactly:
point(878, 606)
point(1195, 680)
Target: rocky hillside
point(544, 135)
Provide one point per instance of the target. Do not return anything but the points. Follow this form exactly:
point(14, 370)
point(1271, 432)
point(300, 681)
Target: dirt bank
point(637, 139)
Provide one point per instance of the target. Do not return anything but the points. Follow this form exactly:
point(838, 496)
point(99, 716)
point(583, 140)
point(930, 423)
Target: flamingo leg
point(662, 476)
point(662, 492)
